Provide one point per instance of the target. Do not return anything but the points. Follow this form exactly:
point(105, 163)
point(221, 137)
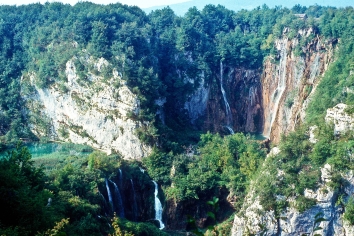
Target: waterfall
point(142, 170)
point(109, 195)
point(135, 205)
point(120, 177)
point(118, 200)
point(278, 93)
point(227, 106)
point(252, 95)
point(158, 207)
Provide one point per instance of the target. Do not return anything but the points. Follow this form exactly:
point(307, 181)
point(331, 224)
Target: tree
point(22, 194)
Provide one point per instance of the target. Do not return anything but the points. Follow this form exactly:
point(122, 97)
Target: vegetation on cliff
point(161, 55)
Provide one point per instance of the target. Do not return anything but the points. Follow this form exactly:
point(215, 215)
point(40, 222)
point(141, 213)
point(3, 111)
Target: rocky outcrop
point(341, 119)
point(254, 220)
point(289, 80)
point(87, 109)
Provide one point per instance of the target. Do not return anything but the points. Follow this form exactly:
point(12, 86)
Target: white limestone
point(342, 120)
point(93, 112)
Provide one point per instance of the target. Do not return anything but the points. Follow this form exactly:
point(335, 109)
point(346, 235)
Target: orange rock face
point(288, 82)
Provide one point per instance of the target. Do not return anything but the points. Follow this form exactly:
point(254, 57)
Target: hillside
point(173, 107)
point(181, 8)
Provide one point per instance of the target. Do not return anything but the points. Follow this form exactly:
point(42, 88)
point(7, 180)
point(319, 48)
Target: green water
point(257, 136)
point(51, 150)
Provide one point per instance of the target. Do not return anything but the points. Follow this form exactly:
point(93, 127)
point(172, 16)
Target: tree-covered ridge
point(159, 55)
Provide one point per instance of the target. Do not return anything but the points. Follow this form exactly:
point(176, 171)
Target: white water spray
point(227, 106)
point(158, 207)
point(135, 205)
point(142, 170)
point(119, 200)
point(109, 195)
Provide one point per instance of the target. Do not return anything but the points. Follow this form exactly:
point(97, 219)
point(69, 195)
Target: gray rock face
point(94, 111)
point(197, 102)
point(342, 120)
point(254, 220)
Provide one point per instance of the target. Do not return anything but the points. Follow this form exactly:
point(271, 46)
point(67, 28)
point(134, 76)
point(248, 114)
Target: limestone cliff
point(342, 120)
point(289, 80)
point(271, 100)
point(254, 220)
point(243, 97)
point(87, 108)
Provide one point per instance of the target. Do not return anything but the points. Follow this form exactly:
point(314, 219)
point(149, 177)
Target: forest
point(164, 55)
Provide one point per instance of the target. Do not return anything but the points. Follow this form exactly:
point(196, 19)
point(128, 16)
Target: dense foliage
point(63, 199)
point(228, 162)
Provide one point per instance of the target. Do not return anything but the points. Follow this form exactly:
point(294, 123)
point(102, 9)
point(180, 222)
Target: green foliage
point(303, 203)
point(223, 162)
point(159, 166)
point(23, 195)
point(134, 228)
point(349, 211)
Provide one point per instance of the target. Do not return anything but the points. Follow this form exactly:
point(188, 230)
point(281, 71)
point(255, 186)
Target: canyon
point(269, 101)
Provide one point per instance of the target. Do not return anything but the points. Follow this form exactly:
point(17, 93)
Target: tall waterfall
point(110, 199)
point(118, 200)
point(158, 207)
point(135, 205)
point(227, 106)
point(278, 93)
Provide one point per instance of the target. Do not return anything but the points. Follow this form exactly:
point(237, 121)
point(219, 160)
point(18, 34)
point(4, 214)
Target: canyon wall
point(232, 100)
point(99, 111)
point(92, 110)
point(253, 219)
point(271, 100)
point(289, 80)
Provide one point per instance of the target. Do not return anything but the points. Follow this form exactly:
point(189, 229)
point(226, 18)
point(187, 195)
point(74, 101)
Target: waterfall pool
point(51, 153)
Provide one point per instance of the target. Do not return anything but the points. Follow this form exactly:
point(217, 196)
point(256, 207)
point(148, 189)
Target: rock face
point(92, 110)
point(271, 100)
point(243, 95)
point(342, 120)
point(254, 220)
point(289, 80)
point(197, 102)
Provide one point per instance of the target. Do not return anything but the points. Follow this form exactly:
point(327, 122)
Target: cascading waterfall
point(227, 106)
point(278, 93)
point(118, 200)
point(135, 205)
point(110, 199)
point(158, 207)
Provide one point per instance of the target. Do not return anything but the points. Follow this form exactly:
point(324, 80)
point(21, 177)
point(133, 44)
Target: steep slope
point(306, 186)
point(271, 100)
point(289, 81)
point(96, 111)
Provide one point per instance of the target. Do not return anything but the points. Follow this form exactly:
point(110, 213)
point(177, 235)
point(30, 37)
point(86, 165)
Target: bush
point(349, 211)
